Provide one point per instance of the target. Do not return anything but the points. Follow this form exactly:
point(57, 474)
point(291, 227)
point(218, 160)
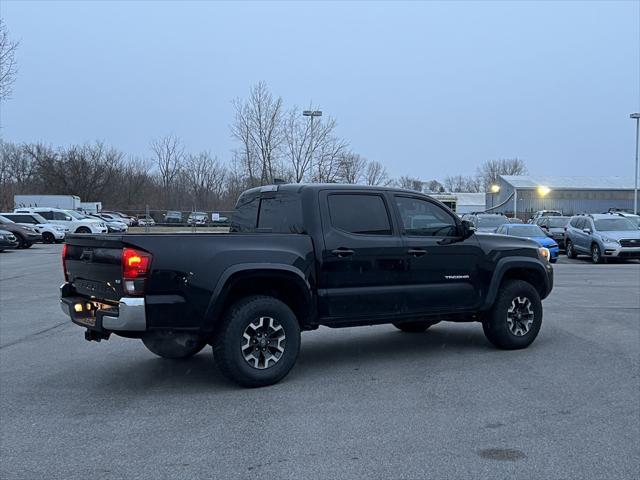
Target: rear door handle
point(342, 252)
point(417, 252)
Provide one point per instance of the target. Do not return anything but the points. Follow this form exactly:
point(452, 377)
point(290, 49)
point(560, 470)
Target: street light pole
point(311, 113)
point(636, 117)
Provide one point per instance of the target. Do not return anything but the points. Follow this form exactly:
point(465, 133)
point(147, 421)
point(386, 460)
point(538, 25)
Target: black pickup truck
point(297, 257)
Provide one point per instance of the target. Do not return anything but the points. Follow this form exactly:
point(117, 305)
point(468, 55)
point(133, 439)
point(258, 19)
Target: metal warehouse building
point(570, 195)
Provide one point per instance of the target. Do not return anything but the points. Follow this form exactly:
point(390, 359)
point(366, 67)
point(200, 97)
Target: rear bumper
point(128, 315)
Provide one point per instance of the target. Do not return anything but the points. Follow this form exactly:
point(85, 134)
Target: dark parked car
point(297, 257)
point(173, 217)
point(25, 235)
point(7, 240)
point(486, 222)
point(555, 227)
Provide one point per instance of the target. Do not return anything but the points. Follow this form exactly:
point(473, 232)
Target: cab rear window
point(269, 213)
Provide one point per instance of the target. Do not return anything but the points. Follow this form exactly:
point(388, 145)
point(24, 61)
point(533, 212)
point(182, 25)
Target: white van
point(76, 222)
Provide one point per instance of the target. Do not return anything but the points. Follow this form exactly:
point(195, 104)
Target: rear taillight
point(135, 270)
point(64, 262)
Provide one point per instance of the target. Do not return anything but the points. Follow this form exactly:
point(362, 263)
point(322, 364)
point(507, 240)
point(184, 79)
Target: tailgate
point(94, 265)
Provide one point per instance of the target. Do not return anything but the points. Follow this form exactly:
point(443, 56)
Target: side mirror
point(67, 218)
point(586, 230)
point(467, 229)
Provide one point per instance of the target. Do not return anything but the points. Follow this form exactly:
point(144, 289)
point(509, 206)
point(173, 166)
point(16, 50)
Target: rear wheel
point(413, 327)
point(516, 316)
point(48, 237)
point(257, 342)
point(596, 254)
point(174, 345)
point(22, 242)
point(571, 253)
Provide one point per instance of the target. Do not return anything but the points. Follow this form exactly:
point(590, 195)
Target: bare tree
point(328, 160)
point(433, 186)
point(301, 142)
point(245, 158)
point(205, 178)
point(169, 154)
point(376, 174)
point(410, 183)
point(8, 66)
point(462, 183)
point(258, 126)
point(490, 171)
point(352, 167)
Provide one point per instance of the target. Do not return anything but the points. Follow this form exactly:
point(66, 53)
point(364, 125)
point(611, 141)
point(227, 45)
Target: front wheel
point(571, 253)
point(257, 342)
point(413, 327)
point(47, 237)
point(83, 230)
point(174, 345)
point(516, 316)
point(596, 254)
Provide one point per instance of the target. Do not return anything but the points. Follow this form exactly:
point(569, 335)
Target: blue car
point(534, 232)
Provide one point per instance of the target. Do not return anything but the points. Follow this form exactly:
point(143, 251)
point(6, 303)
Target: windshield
point(558, 222)
point(634, 219)
point(615, 225)
point(492, 221)
point(526, 231)
point(76, 215)
point(39, 218)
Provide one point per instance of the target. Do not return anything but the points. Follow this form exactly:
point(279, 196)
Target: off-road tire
point(229, 337)
point(173, 345)
point(496, 324)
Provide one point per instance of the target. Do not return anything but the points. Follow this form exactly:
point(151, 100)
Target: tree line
point(271, 144)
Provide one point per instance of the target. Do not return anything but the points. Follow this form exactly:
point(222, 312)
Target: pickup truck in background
point(298, 257)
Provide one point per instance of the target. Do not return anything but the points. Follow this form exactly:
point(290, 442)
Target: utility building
point(570, 195)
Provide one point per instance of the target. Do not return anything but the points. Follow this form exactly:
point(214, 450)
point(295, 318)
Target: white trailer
point(91, 207)
point(67, 202)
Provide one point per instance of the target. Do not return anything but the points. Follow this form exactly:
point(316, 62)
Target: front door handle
point(342, 252)
point(417, 252)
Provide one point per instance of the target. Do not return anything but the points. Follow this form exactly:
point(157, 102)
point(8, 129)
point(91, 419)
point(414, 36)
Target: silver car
point(602, 236)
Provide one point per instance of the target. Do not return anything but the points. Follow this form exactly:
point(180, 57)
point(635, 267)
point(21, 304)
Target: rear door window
point(360, 214)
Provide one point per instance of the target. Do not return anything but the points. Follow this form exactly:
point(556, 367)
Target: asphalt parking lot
point(367, 402)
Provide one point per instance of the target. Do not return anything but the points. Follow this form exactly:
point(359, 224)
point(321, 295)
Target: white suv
point(50, 233)
point(76, 222)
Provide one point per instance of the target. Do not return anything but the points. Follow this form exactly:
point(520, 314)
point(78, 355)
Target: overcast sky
point(429, 89)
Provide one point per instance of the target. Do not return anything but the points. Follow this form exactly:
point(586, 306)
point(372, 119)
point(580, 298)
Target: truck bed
point(185, 270)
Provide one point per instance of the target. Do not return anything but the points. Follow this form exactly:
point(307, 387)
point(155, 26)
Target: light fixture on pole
point(494, 189)
point(312, 114)
point(543, 191)
point(636, 117)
